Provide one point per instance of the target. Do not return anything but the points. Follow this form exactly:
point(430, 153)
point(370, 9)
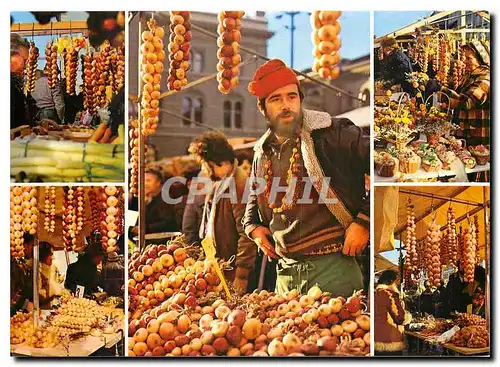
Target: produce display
point(42, 160)
point(89, 82)
point(229, 30)
point(31, 67)
point(472, 337)
point(51, 64)
point(326, 41)
point(179, 49)
point(481, 153)
point(95, 214)
point(74, 319)
point(70, 69)
point(49, 221)
point(103, 64)
point(118, 66)
point(469, 319)
point(111, 226)
point(134, 156)
point(469, 252)
point(432, 253)
point(72, 224)
point(177, 308)
point(23, 217)
point(411, 259)
point(152, 56)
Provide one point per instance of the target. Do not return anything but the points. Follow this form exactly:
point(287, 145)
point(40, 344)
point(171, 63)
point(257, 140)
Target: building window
point(197, 64)
point(227, 114)
point(238, 118)
point(233, 114)
point(192, 109)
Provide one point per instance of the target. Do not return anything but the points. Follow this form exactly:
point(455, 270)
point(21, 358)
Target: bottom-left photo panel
point(67, 271)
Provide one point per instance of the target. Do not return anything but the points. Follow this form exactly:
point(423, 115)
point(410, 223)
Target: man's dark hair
point(262, 101)
point(16, 43)
point(191, 173)
point(28, 238)
point(212, 146)
point(44, 250)
point(388, 277)
point(156, 173)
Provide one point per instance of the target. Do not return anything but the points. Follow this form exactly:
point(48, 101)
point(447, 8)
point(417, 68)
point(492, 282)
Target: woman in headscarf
point(471, 101)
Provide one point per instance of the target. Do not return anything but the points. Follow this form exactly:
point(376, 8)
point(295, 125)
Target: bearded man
point(314, 241)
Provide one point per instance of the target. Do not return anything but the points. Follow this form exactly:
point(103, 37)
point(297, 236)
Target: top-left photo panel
point(67, 85)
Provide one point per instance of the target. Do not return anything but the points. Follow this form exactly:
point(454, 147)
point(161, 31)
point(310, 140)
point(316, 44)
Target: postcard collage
point(250, 184)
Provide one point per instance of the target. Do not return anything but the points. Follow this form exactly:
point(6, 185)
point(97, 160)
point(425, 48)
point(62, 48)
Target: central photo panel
point(249, 199)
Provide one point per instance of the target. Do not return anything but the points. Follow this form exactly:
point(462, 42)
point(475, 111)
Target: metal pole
point(487, 257)
point(142, 143)
point(36, 272)
point(447, 199)
point(292, 33)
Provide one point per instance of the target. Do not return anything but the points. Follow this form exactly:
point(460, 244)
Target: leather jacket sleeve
point(251, 218)
point(343, 151)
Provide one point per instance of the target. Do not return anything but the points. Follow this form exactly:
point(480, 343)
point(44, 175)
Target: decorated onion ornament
point(152, 58)
point(179, 46)
point(51, 64)
point(433, 253)
point(31, 67)
point(229, 30)
point(50, 209)
point(16, 221)
point(469, 252)
point(134, 156)
point(111, 197)
point(326, 41)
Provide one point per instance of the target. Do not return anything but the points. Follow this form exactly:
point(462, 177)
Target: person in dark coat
point(84, 271)
point(22, 106)
point(395, 65)
point(113, 275)
point(457, 298)
point(160, 216)
point(21, 276)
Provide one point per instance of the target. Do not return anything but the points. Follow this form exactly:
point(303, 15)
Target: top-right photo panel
point(432, 96)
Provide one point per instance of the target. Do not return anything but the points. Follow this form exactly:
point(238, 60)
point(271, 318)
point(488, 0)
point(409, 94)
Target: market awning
point(381, 264)
point(469, 200)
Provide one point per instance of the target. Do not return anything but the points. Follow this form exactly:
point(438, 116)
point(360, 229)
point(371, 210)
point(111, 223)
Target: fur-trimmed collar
point(313, 120)
point(391, 287)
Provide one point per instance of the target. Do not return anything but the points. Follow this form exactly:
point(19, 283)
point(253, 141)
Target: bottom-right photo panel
point(432, 271)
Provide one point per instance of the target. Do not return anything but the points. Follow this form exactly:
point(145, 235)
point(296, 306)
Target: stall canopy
point(381, 264)
point(435, 202)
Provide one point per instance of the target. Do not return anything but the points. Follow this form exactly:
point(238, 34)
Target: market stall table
point(452, 347)
point(83, 347)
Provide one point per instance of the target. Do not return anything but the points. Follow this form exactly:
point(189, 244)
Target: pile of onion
point(326, 41)
point(179, 49)
point(229, 30)
point(152, 57)
point(175, 309)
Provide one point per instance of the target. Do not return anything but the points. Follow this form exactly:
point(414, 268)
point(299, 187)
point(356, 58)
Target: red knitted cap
point(273, 75)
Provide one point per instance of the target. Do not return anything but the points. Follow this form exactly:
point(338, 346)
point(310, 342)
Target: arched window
point(197, 63)
point(238, 118)
point(187, 106)
point(232, 114)
point(227, 106)
point(192, 109)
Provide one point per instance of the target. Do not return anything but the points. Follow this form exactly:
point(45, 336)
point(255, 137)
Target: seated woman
point(49, 285)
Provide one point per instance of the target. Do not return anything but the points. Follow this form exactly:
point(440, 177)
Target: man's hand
point(240, 285)
point(356, 239)
point(260, 237)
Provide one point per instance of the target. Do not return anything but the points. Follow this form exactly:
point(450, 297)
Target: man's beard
point(285, 129)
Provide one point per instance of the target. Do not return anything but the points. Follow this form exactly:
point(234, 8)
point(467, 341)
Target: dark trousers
point(50, 114)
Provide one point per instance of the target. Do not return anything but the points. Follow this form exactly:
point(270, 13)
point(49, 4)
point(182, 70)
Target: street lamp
point(292, 28)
